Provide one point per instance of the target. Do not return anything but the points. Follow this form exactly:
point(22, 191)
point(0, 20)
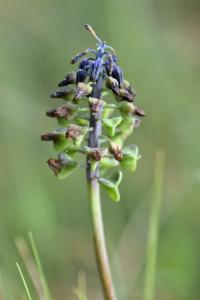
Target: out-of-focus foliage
point(158, 45)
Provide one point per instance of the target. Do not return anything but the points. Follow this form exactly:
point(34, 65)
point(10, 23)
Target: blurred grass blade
point(30, 266)
point(150, 272)
point(81, 289)
point(39, 267)
point(5, 290)
point(24, 282)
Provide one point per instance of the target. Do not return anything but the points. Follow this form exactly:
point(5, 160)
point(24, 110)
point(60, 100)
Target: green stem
point(150, 272)
point(99, 240)
point(95, 204)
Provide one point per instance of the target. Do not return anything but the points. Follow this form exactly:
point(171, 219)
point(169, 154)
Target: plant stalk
point(95, 203)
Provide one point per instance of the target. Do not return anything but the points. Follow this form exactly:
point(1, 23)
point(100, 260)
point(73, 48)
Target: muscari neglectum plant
point(97, 128)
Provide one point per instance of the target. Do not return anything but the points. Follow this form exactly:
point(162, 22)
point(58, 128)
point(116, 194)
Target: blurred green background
point(158, 45)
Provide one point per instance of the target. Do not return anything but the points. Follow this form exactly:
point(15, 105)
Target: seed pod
point(111, 186)
point(108, 163)
point(130, 158)
point(63, 166)
point(110, 125)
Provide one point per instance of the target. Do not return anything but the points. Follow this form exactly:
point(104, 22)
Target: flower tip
point(91, 30)
point(140, 112)
point(58, 94)
point(87, 27)
point(53, 95)
point(46, 136)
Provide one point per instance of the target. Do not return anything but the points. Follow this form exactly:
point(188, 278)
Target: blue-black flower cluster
point(104, 63)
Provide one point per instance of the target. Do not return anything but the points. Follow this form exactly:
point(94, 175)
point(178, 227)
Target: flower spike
point(87, 121)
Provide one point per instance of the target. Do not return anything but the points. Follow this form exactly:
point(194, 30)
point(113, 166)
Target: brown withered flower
point(116, 151)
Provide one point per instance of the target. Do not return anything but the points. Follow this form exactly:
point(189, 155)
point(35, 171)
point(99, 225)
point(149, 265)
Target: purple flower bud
point(96, 69)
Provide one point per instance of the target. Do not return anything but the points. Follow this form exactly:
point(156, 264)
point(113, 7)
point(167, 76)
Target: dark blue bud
point(81, 75)
point(84, 63)
point(117, 73)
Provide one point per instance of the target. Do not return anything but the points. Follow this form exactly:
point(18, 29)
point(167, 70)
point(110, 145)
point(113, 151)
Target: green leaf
point(111, 124)
point(111, 186)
